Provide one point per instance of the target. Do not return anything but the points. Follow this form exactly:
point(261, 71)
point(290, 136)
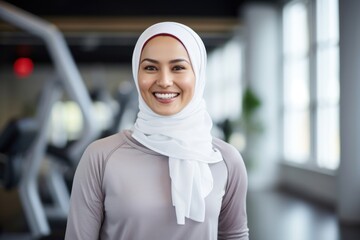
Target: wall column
point(349, 170)
point(261, 70)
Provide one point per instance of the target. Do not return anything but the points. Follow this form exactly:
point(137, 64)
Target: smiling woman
point(168, 172)
point(166, 77)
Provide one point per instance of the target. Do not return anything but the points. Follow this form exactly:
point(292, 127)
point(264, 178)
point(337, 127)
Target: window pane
point(66, 118)
point(296, 83)
point(328, 139)
point(327, 87)
point(327, 20)
point(296, 136)
point(295, 29)
point(328, 76)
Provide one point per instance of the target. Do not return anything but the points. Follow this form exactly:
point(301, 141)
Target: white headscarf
point(186, 136)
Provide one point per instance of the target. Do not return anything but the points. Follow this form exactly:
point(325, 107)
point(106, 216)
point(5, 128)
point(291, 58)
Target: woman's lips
point(165, 97)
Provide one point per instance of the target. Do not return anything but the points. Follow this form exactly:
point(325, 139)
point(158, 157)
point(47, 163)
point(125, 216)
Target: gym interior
point(282, 87)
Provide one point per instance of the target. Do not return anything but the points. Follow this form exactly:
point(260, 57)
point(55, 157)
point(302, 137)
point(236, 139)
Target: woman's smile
point(165, 95)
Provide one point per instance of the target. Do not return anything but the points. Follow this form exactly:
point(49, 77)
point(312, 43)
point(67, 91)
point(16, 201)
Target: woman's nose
point(164, 79)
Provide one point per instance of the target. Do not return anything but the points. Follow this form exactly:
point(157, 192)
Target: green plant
point(250, 104)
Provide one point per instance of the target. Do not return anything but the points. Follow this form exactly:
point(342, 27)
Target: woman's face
point(166, 77)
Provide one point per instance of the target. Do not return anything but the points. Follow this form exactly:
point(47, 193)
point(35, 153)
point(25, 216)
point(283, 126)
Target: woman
point(167, 178)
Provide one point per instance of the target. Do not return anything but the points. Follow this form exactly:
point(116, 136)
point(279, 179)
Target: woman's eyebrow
point(179, 60)
point(149, 60)
point(171, 61)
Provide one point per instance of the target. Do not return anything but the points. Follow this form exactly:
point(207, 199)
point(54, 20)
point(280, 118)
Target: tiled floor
point(273, 215)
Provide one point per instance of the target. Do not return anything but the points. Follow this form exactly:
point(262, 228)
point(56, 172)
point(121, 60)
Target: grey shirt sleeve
point(233, 216)
point(86, 202)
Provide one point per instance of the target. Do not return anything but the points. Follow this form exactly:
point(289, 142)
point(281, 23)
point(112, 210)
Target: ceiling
point(106, 31)
point(131, 7)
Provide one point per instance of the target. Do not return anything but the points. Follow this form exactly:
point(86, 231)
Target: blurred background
point(282, 87)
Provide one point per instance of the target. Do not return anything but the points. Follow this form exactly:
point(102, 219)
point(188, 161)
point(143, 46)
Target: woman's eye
point(178, 68)
point(150, 68)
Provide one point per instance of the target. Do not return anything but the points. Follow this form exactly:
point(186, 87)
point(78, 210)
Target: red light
point(23, 67)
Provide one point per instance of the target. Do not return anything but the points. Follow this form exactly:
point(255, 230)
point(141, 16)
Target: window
point(311, 83)
point(223, 88)
point(327, 88)
point(296, 95)
point(66, 122)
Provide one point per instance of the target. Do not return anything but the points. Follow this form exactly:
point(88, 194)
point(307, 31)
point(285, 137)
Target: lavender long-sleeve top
point(121, 191)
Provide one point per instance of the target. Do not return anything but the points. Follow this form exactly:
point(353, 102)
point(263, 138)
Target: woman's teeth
point(165, 95)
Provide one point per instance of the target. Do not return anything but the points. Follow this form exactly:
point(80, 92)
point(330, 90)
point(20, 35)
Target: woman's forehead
point(164, 46)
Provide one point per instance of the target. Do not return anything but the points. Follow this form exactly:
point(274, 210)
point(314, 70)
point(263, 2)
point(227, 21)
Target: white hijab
point(184, 137)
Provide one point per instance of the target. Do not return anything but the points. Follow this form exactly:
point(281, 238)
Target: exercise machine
point(67, 79)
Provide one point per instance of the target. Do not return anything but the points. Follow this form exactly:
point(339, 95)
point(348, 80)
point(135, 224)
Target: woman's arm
point(86, 202)
point(233, 216)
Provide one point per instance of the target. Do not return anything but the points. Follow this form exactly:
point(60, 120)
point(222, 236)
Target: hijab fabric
point(184, 137)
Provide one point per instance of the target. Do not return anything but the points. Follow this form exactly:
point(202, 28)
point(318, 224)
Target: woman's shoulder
point(227, 150)
point(231, 156)
point(105, 146)
point(99, 151)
